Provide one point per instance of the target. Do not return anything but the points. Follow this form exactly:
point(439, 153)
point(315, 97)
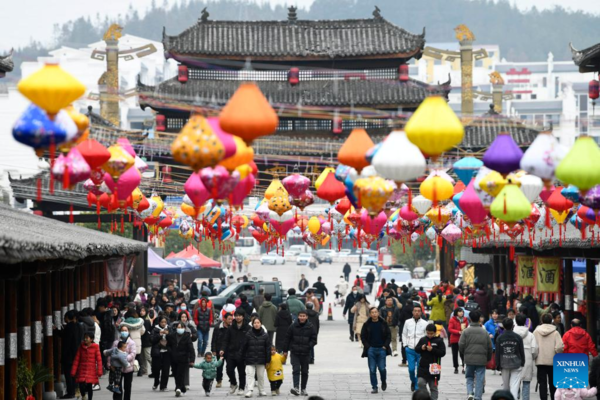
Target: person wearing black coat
point(313, 318)
point(161, 359)
point(405, 315)
point(107, 327)
point(146, 350)
point(283, 321)
point(351, 299)
point(230, 349)
point(256, 353)
point(432, 349)
point(347, 270)
point(391, 315)
point(595, 374)
point(182, 355)
point(246, 307)
point(376, 337)
point(72, 335)
point(217, 342)
point(300, 339)
point(321, 289)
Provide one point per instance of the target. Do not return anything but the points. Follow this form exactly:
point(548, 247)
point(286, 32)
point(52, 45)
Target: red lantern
point(182, 75)
point(594, 89)
point(294, 76)
point(331, 189)
point(166, 174)
point(403, 72)
point(558, 202)
point(336, 125)
point(161, 123)
point(94, 153)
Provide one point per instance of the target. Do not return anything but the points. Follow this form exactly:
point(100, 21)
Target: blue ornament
point(35, 129)
point(456, 199)
point(466, 167)
point(571, 192)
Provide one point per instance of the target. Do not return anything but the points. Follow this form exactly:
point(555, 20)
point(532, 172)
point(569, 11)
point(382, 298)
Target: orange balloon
point(248, 114)
point(353, 152)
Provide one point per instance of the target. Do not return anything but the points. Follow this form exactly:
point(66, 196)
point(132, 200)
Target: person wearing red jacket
point(203, 317)
point(458, 323)
point(87, 366)
point(577, 340)
point(359, 282)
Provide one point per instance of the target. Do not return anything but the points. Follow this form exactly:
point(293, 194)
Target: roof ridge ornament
point(292, 15)
point(377, 13)
point(204, 16)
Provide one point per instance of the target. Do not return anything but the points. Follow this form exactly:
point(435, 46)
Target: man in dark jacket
point(303, 284)
point(499, 303)
point(107, 327)
point(475, 348)
point(532, 312)
point(300, 339)
point(405, 314)
point(347, 270)
point(267, 314)
point(432, 349)
point(321, 289)
point(482, 298)
point(246, 307)
point(370, 280)
point(391, 315)
point(230, 349)
point(217, 343)
point(510, 357)
point(350, 301)
point(392, 286)
point(258, 300)
point(376, 336)
point(313, 318)
point(72, 335)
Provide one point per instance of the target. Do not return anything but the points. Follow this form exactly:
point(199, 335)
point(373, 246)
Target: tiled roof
point(6, 62)
point(310, 93)
point(26, 238)
point(481, 131)
point(296, 39)
point(588, 60)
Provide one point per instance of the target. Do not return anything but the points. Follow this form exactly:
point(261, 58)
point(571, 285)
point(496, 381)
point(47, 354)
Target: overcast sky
point(34, 19)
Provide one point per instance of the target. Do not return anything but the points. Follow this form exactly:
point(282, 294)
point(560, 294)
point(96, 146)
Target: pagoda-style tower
point(351, 73)
point(109, 81)
point(6, 64)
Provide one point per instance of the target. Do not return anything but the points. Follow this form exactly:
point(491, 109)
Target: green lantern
point(581, 166)
point(510, 205)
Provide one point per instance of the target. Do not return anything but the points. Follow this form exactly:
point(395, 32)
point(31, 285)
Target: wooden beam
point(568, 295)
point(24, 317)
point(11, 309)
point(590, 273)
point(37, 334)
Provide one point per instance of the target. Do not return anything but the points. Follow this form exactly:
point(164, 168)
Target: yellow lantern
point(51, 88)
point(322, 177)
point(560, 216)
point(436, 188)
point(314, 225)
point(197, 145)
point(244, 171)
point(119, 162)
point(191, 210)
point(273, 188)
point(434, 127)
point(373, 192)
point(160, 205)
point(246, 221)
point(244, 154)
point(493, 183)
point(438, 215)
point(136, 197)
point(280, 202)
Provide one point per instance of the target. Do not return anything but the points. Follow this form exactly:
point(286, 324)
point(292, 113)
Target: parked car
point(303, 259)
point(364, 270)
point(296, 250)
point(250, 289)
point(323, 257)
point(272, 258)
point(371, 260)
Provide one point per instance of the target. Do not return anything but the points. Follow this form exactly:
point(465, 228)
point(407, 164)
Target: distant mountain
point(522, 36)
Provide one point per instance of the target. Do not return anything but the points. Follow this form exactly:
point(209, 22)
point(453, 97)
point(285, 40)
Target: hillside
point(521, 36)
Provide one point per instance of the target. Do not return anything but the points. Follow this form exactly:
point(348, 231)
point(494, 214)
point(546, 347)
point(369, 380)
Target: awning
point(193, 254)
point(579, 266)
point(157, 265)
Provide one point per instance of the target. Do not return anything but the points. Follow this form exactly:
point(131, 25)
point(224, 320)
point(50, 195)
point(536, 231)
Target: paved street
point(339, 371)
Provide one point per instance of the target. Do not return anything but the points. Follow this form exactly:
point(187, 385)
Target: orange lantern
point(354, 149)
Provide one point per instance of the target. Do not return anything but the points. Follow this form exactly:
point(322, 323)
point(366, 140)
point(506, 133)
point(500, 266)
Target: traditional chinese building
point(6, 64)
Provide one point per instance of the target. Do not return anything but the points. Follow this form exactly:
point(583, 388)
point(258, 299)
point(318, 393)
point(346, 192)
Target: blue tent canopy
point(579, 266)
point(157, 265)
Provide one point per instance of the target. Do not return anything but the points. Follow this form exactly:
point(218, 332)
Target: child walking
point(432, 349)
point(118, 361)
point(275, 371)
point(209, 371)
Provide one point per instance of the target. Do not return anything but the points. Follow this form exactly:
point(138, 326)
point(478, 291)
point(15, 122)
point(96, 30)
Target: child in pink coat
point(574, 394)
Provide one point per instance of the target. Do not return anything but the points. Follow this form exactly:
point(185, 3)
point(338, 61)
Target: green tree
point(414, 255)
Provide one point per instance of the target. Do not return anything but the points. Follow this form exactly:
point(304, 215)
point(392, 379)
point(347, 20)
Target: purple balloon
point(592, 198)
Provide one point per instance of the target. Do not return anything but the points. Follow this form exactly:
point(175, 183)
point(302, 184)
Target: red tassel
point(99, 224)
point(409, 199)
point(66, 178)
point(71, 219)
point(122, 224)
point(52, 151)
point(511, 253)
point(39, 190)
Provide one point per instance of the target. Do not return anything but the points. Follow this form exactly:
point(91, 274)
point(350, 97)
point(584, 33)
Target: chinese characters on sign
point(547, 274)
point(525, 273)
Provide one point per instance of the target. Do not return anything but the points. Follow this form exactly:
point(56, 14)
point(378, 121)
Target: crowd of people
point(162, 335)
point(513, 335)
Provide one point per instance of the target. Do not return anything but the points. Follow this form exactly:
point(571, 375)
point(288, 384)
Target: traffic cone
point(330, 313)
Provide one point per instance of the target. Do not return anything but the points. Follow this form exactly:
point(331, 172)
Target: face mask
point(183, 307)
point(124, 335)
point(354, 291)
point(180, 331)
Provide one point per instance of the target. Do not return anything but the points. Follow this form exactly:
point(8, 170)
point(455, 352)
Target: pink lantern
point(451, 233)
point(326, 227)
point(126, 184)
point(408, 214)
point(546, 193)
point(241, 190)
point(282, 227)
point(263, 211)
point(196, 190)
point(219, 182)
point(471, 205)
point(296, 184)
point(140, 164)
point(372, 226)
point(225, 138)
point(91, 187)
point(71, 169)
point(304, 200)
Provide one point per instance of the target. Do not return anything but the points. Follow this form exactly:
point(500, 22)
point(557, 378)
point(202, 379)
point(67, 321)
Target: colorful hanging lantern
point(492, 183)
point(124, 186)
point(197, 145)
point(94, 153)
point(434, 127)
point(244, 154)
point(451, 233)
point(543, 156)
point(398, 159)
point(436, 189)
point(466, 167)
point(439, 216)
point(531, 186)
point(421, 204)
point(302, 201)
point(296, 184)
point(571, 192)
point(274, 186)
point(241, 190)
point(71, 169)
point(248, 114)
point(373, 193)
point(119, 162)
point(354, 149)
point(219, 182)
point(314, 225)
point(280, 202)
point(34, 128)
point(594, 89)
point(326, 172)
point(51, 88)
point(331, 189)
point(511, 205)
point(486, 199)
point(471, 205)
point(503, 155)
point(591, 198)
point(558, 202)
point(581, 166)
point(196, 190)
point(343, 206)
